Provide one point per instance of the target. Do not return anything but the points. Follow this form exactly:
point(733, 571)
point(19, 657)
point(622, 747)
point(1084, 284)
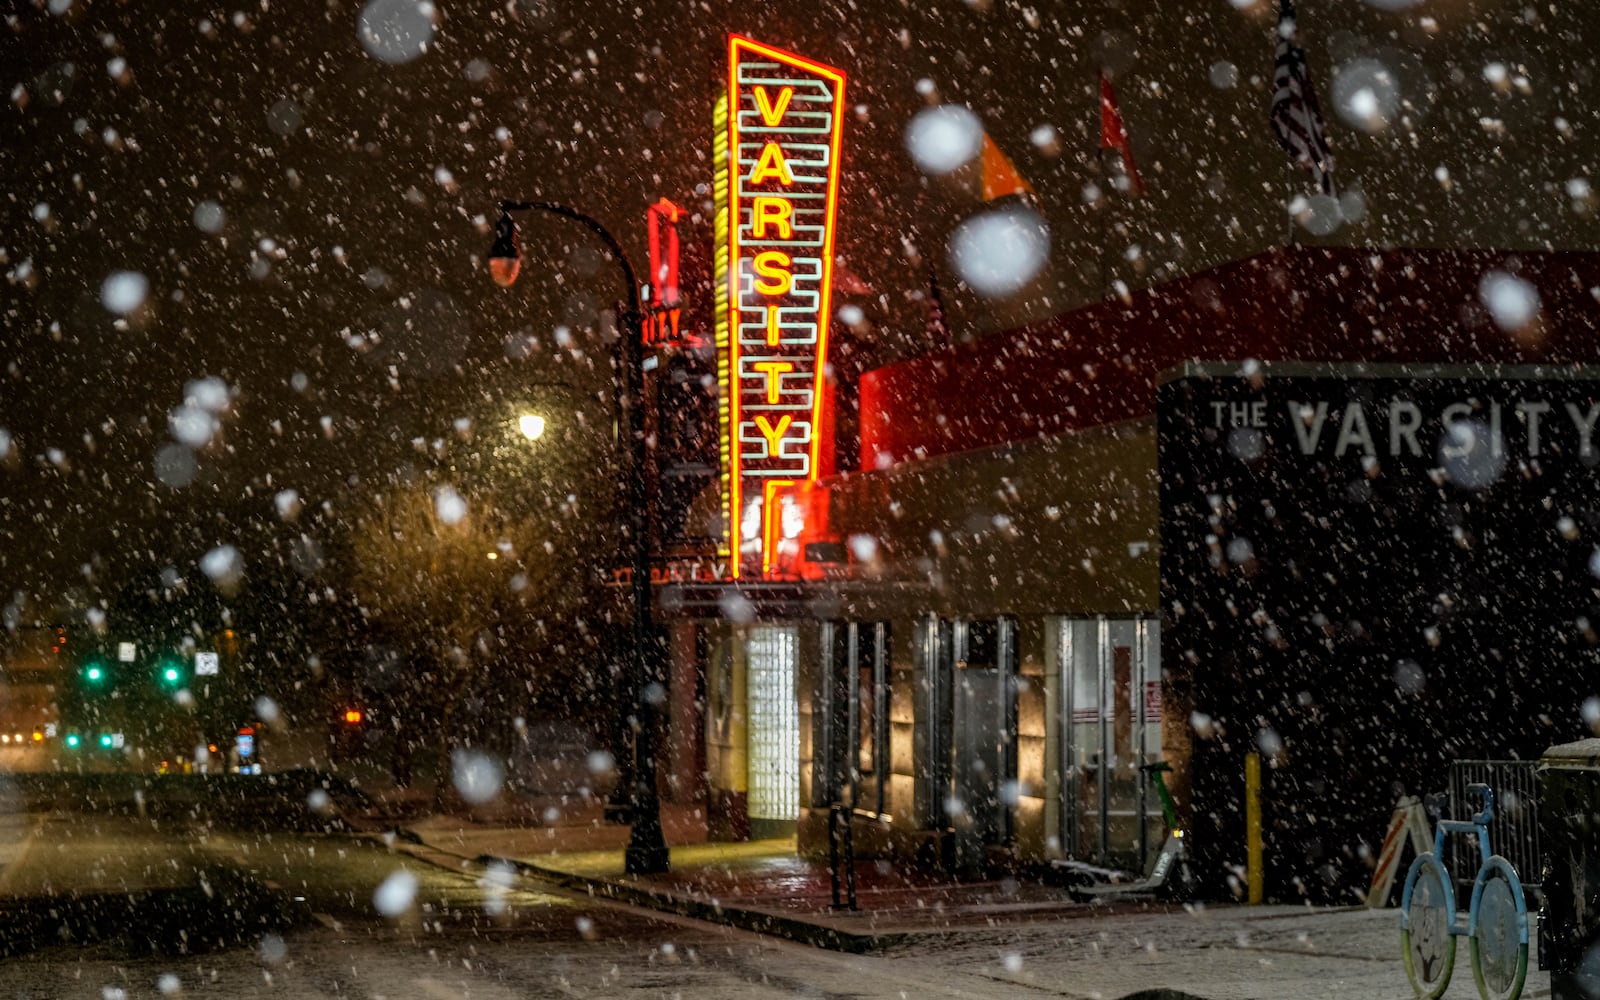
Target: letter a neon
point(772, 114)
point(771, 164)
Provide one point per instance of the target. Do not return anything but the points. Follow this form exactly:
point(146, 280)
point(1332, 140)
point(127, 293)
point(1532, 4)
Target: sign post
point(1407, 823)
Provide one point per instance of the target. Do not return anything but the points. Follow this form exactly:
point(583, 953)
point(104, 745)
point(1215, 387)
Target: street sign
point(205, 664)
point(126, 652)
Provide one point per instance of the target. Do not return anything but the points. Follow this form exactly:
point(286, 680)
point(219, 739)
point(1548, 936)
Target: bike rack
point(1499, 948)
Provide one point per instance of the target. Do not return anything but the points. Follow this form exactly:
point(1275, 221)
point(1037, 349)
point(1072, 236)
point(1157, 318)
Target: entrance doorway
point(984, 731)
point(1110, 725)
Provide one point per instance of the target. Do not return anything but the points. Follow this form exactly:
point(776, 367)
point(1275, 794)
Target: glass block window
point(774, 729)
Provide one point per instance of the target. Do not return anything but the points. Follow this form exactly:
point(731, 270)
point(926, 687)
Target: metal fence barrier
point(1514, 831)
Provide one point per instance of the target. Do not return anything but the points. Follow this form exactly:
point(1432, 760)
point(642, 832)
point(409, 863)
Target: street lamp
point(531, 425)
point(647, 848)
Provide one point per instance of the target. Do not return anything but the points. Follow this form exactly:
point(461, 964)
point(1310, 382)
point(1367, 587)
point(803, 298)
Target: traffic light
point(95, 674)
point(105, 740)
point(352, 717)
point(73, 741)
point(171, 675)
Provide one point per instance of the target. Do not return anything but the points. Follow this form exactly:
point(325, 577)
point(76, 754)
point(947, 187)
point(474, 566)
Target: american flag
point(1295, 115)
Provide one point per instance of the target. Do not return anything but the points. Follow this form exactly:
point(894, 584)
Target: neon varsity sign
point(778, 131)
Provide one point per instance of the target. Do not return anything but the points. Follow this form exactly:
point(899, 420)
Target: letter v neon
point(772, 114)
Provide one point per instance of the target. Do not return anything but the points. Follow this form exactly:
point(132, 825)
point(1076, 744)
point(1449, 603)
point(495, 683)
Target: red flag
point(1112, 133)
point(1000, 177)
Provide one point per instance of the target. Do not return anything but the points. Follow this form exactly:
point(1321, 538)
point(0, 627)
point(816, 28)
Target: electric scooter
point(1169, 876)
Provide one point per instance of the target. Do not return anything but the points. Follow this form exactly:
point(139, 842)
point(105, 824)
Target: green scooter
point(1170, 875)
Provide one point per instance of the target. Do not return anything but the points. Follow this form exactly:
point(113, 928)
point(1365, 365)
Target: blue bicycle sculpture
point(1495, 925)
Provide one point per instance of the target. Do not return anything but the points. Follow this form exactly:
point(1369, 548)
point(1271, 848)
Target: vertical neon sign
point(663, 311)
point(777, 185)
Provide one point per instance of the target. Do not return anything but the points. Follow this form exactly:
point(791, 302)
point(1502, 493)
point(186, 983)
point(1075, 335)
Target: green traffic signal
point(72, 740)
point(94, 674)
point(172, 674)
point(105, 739)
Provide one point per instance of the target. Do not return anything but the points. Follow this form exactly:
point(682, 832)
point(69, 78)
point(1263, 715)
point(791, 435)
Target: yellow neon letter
point(771, 164)
point(771, 433)
point(771, 264)
point(773, 332)
point(774, 210)
point(772, 114)
point(773, 370)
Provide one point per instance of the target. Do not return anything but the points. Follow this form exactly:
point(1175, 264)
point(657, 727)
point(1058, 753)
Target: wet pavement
point(762, 885)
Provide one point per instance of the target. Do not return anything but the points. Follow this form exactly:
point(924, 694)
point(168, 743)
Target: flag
point(1295, 115)
point(1113, 135)
point(1000, 177)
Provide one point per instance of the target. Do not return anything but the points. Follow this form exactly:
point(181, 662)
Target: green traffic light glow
point(171, 675)
point(72, 739)
point(105, 739)
point(95, 673)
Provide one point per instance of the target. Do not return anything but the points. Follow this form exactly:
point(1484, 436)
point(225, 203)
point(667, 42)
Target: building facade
point(1080, 550)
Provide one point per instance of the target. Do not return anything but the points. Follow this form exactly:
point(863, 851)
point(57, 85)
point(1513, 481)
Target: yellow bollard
point(1252, 825)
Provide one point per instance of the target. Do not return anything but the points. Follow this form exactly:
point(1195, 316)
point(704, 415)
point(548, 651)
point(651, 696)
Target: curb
point(759, 921)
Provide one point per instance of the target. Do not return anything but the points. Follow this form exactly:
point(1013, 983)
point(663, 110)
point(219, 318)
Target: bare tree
point(469, 569)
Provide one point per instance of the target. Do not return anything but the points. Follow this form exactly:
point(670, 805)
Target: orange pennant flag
point(1000, 178)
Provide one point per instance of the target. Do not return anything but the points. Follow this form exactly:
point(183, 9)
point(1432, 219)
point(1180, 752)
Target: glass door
point(1111, 725)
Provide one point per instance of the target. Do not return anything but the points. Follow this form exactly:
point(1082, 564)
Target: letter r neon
point(776, 211)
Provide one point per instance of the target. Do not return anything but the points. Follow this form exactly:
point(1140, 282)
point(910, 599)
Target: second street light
point(647, 848)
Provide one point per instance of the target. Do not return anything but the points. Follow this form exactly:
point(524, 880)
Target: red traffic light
point(352, 716)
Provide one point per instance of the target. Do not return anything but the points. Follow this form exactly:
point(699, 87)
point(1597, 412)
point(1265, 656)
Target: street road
point(191, 901)
point(302, 915)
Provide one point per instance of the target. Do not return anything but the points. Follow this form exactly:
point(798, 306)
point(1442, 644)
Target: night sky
point(309, 211)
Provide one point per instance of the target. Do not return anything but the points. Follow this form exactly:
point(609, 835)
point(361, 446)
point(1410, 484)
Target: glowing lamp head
point(531, 425)
point(353, 716)
point(505, 260)
point(73, 740)
point(94, 673)
point(170, 675)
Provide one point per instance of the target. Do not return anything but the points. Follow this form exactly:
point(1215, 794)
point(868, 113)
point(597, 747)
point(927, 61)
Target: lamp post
point(647, 848)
